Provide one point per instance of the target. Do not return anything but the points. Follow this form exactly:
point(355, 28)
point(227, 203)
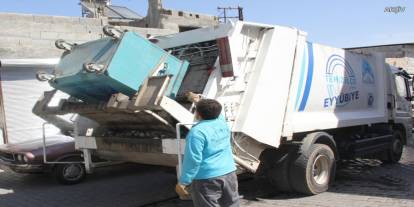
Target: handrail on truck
point(178, 131)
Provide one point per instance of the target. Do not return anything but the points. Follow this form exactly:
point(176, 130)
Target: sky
point(339, 23)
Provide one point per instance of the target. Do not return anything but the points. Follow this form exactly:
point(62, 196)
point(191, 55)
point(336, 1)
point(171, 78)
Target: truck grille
point(7, 156)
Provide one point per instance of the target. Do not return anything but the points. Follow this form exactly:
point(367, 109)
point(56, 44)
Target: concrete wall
point(401, 55)
point(153, 14)
point(34, 36)
point(173, 19)
point(159, 17)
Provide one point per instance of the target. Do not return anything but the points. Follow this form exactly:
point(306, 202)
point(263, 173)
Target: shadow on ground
point(121, 185)
point(138, 185)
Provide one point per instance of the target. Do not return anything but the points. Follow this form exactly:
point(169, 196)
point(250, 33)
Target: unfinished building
point(157, 16)
point(398, 55)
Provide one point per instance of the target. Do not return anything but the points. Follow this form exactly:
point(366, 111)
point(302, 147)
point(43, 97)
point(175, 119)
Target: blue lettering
point(341, 99)
point(334, 100)
point(325, 102)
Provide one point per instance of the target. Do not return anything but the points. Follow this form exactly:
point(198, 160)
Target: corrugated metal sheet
point(20, 92)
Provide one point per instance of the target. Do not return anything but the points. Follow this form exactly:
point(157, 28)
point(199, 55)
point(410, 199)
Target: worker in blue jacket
point(208, 163)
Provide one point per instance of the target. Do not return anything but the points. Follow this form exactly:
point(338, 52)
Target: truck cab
point(400, 106)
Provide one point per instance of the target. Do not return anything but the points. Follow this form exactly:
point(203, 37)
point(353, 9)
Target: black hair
point(208, 109)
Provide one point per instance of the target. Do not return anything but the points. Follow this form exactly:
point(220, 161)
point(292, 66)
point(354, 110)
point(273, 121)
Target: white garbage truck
point(294, 107)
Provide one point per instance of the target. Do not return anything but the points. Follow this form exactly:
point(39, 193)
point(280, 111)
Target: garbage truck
point(295, 108)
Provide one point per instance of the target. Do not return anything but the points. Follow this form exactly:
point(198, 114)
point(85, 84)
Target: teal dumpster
point(95, 70)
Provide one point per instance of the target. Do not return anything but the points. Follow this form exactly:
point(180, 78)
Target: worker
point(208, 163)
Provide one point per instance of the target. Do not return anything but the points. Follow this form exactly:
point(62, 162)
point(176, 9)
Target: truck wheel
point(394, 152)
point(311, 171)
point(278, 168)
point(71, 173)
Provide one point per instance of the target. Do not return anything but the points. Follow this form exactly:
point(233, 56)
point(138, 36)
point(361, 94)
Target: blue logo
point(340, 82)
point(370, 99)
point(367, 73)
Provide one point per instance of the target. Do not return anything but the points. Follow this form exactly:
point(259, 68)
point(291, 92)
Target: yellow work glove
point(182, 192)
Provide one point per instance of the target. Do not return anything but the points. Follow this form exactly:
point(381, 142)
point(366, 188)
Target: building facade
point(398, 55)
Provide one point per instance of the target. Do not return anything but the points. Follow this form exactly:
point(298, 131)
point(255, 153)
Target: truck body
point(294, 107)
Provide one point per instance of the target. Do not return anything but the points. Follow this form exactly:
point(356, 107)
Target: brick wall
point(34, 36)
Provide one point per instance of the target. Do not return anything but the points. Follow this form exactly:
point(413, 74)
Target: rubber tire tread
point(57, 172)
point(388, 154)
point(301, 166)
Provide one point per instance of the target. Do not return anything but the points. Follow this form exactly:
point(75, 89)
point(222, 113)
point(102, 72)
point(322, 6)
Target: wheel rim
point(320, 170)
point(72, 172)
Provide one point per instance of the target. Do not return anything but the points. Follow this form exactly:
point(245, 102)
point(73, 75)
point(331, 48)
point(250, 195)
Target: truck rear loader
point(294, 107)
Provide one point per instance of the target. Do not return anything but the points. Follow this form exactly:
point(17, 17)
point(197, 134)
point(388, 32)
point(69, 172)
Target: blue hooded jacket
point(208, 152)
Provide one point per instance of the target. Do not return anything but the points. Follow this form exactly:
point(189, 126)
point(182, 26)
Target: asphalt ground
point(361, 182)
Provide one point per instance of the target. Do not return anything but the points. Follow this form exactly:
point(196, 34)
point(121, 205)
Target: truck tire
point(394, 152)
point(277, 171)
point(311, 171)
point(70, 173)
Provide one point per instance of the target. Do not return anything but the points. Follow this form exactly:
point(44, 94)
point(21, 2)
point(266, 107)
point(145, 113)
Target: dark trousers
point(220, 191)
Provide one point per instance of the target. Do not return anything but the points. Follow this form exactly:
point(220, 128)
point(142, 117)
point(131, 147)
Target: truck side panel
point(340, 88)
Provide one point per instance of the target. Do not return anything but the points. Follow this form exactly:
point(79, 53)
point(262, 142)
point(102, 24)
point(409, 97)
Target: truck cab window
point(402, 87)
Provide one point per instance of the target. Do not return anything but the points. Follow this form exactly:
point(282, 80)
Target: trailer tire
point(278, 170)
point(70, 174)
point(312, 171)
point(394, 152)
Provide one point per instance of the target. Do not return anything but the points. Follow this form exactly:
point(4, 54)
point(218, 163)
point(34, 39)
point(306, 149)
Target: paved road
point(123, 185)
point(359, 183)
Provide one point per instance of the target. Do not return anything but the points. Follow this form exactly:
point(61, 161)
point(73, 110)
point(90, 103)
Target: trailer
point(294, 107)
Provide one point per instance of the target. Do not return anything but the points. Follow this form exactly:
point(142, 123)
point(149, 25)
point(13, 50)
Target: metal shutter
point(21, 90)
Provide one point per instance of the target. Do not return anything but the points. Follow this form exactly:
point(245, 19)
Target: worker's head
point(207, 109)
